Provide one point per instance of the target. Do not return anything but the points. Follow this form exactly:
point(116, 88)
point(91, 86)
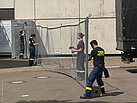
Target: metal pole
point(86, 41)
point(35, 16)
point(25, 30)
point(34, 10)
point(79, 11)
point(79, 15)
point(36, 54)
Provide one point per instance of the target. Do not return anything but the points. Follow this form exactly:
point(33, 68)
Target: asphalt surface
point(51, 87)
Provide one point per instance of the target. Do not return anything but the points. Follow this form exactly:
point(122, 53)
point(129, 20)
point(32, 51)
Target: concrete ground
point(121, 87)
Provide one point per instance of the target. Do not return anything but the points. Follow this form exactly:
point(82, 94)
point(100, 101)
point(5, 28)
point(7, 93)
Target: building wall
point(6, 3)
point(104, 30)
point(24, 9)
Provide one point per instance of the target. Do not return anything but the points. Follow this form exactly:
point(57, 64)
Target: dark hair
point(33, 35)
point(81, 35)
point(93, 42)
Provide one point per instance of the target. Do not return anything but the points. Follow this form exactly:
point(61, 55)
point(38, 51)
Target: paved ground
point(121, 87)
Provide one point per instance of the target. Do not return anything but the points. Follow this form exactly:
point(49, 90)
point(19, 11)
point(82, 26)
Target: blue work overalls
point(95, 74)
point(98, 61)
point(21, 46)
point(32, 52)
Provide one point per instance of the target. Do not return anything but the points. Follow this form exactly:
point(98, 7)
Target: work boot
point(21, 57)
point(103, 91)
point(85, 97)
point(31, 64)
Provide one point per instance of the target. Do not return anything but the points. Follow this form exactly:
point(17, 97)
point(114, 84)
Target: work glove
point(71, 47)
point(73, 51)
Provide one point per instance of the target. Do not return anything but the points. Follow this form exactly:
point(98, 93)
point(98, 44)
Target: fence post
point(86, 41)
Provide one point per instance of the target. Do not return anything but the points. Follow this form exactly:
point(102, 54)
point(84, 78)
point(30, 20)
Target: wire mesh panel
point(54, 52)
point(28, 27)
point(53, 49)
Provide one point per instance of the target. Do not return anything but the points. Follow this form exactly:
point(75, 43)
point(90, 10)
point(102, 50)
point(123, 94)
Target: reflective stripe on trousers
point(78, 71)
point(21, 54)
point(95, 74)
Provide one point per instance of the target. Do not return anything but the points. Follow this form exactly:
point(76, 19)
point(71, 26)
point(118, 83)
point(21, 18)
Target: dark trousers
point(32, 55)
point(80, 67)
point(95, 74)
point(21, 50)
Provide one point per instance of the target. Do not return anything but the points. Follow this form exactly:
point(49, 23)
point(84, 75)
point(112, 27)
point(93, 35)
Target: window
point(7, 14)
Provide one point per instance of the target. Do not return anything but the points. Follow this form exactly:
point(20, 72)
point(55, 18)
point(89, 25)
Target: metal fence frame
point(28, 27)
point(86, 39)
point(35, 30)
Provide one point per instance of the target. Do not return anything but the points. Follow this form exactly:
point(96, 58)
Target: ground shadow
point(109, 94)
point(9, 63)
point(65, 101)
point(59, 101)
point(69, 101)
point(114, 93)
point(132, 70)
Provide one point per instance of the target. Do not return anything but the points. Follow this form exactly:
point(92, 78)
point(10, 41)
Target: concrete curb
point(111, 67)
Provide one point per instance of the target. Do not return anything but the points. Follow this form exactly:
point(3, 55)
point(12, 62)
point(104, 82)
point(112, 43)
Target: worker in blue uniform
point(98, 60)
point(32, 45)
point(80, 56)
point(21, 35)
